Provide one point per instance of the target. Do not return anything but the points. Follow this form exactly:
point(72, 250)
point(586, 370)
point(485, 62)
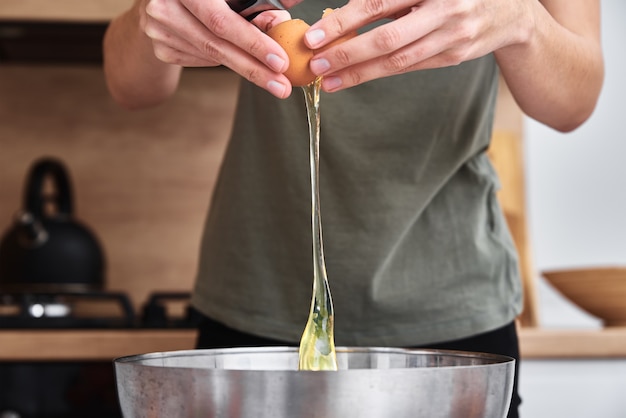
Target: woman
point(417, 249)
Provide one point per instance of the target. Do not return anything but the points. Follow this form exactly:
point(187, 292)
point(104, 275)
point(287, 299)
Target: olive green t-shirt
point(417, 249)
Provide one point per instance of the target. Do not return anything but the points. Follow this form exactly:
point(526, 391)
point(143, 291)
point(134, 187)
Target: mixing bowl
point(261, 382)
point(600, 291)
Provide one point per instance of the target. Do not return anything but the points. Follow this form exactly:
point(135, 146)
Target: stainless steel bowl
point(263, 382)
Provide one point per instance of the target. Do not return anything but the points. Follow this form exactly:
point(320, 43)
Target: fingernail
point(315, 37)
point(275, 62)
point(276, 88)
point(331, 83)
point(320, 66)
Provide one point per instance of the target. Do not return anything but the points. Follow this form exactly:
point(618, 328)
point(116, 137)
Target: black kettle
point(46, 249)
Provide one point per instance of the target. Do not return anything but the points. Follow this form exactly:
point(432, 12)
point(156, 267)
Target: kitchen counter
point(538, 343)
point(88, 345)
point(60, 345)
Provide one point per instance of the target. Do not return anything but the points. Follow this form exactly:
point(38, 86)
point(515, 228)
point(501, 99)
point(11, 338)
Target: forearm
point(135, 77)
point(556, 72)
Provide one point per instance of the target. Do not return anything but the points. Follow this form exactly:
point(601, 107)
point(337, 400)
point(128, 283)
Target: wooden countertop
point(83, 345)
point(538, 343)
point(40, 345)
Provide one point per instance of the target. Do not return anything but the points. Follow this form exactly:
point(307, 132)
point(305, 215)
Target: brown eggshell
point(290, 35)
point(337, 41)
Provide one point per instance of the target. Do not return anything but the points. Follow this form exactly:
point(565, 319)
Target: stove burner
point(160, 311)
point(66, 310)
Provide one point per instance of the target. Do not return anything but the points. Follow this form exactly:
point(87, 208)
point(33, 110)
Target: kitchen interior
point(141, 184)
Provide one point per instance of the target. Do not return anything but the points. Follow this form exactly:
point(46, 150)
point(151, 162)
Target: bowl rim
point(487, 359)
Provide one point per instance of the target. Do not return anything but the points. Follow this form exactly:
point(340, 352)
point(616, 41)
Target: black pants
point(501, 341)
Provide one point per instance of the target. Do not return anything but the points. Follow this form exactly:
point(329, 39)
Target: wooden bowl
point(598, 291)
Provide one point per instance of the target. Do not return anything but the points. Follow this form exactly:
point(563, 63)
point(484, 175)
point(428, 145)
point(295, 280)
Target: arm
point(549, 52)
point(146, 48)
point(135, 77)
point(562, 46)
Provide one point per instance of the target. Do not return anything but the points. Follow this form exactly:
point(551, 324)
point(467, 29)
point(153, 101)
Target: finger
point(427, 53)
point(268, 19)
point(174, 56)
point(168, 22)
point(209, 47)
point(290, 3)
point(169, 47)
point(382, 41)
point(355, 15)
point(230, 28)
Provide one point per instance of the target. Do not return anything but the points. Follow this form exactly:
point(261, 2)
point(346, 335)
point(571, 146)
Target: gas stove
point(72, 389)
point(94, 310)
point(66, 310)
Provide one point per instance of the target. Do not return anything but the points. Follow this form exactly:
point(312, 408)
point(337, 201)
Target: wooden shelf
point(537, 343)
point(62, 10)
point(89, 345)
point(105, 345)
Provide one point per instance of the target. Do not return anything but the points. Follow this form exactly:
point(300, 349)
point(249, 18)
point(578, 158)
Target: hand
point(205, 33)
point(421, 34)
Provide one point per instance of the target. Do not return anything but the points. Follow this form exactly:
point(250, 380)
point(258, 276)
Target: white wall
point(576, 190)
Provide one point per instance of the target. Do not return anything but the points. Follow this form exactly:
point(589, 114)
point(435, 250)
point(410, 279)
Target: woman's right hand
point(206, 33)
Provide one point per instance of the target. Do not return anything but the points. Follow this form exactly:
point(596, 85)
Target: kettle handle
point(34, 199)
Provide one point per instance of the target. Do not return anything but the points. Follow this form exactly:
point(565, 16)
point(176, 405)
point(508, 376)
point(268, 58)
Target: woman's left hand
point(549, 51)
point(421, 34)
